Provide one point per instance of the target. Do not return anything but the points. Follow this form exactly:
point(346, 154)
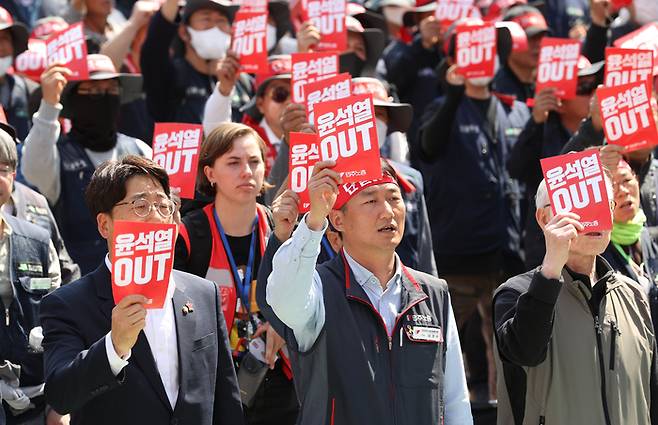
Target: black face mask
point(94, 120)
point(350, 62)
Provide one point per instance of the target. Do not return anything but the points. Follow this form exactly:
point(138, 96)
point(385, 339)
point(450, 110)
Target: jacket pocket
point(204, 342)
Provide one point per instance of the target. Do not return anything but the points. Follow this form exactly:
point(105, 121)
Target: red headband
point(349, 190)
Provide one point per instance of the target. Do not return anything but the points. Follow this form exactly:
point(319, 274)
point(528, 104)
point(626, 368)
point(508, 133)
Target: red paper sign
point(348, 135)
point(576, 183)
point(68, 48)
point(624, 66)
point(476, 50)
point(142, 258)
point(297, 13)
point(176, 149)
point(449, 11)
point(310, 67)
point(328, 16)
point(253, 6)
point(32, 62)
point(334, 88)
point(304, 153)
point(558, 60)
point(249, 41)
point(645, 38)
point(627, 116)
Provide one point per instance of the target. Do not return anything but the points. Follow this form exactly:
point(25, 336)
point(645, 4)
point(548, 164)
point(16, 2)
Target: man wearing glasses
point(61, 167)
point(119, 364)
point(575, 343)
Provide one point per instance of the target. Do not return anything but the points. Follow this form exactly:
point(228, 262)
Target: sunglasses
point(586, 88)
point(280, 94)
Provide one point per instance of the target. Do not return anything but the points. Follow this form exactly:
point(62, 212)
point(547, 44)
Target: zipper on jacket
point(599, 350)
point(614, 330)
point(7, 317)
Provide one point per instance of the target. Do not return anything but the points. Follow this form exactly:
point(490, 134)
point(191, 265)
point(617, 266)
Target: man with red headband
point(374, 341)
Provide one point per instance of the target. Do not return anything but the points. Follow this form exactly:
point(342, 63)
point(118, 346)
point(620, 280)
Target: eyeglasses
point(98, 91)
point(280, 94)
point(585, 88)
point(142, 207)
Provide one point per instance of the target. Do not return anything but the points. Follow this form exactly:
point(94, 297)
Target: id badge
point(40, 283)
point(424, 333)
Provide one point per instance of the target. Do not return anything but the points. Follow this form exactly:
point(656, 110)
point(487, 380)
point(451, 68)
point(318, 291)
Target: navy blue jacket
point(17, 110)
point(75, 320)
point(474, 205)
point(29, 249)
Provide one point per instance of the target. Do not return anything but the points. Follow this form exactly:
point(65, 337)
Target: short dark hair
point(108, 184)
point(8, 152)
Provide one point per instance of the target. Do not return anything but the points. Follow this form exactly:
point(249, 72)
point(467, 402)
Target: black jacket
point(76, 319)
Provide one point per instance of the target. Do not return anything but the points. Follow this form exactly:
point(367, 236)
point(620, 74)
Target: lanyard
point(243, 285)
point(327, 247)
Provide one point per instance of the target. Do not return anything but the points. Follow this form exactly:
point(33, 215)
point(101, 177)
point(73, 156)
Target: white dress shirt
point(294, 291)
point(160, 332)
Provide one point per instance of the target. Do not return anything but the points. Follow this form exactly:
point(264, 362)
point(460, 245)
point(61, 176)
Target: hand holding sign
point(308, 37)
point(284, 214)
point(228, 72)
point(559, 232)
point(323, 191)
point(576, 183)
point(53, 81)
point(128, 319)
point(545, 102)
point(142, 258)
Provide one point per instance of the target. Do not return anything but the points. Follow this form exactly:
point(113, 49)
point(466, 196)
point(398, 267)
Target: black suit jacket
point(75, 320)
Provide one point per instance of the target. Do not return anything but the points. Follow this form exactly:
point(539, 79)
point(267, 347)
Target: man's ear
point(183, 34)
point(337, 219)
point(543, 216)
point(259, 104)
point(104, 222)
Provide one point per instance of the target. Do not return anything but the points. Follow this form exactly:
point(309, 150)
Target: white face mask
point(271, 37)
point(210, 44)
point(382, 131)
point(5, 64)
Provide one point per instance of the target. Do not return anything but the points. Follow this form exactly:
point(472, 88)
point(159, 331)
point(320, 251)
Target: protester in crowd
point(350, 351)
point(642, 161)
point(279, 28)
point(632, 252)
point(467, 138)
point(575, 314)
point(108, 363)
point(61, 167)
point(101, 21)
point(224, 243)
point(29, 269)
point(177, 87)
point(517, 74)
point(412, 67)
point(364, 46)
point(29, 205)
point(15, 90)
point(552, 124)
point(263, 113)
point(393, 12)
point(564, 15)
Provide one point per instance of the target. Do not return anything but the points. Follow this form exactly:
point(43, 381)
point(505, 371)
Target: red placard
point(558, 60)
point(348, 135)
point(297, 13)
point(304, 153)
point(333, 88)
point(142, 258)
point(176, 149)
point(68, 48)
point(449, 11)
point(645, 38)
point(476, 50)
point(328, 16)
point(32, 62)
point(253, 6)
point(310, 67)
point(576, 183)
point(249, 41)
point(627, 116)
point(624, 66)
